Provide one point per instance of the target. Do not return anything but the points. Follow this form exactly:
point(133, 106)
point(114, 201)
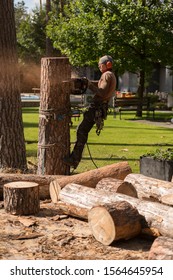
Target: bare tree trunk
point(140, 93)
point(12, 144)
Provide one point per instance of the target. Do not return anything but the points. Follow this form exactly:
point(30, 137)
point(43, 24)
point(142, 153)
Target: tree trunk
point(21, 198)
point(42, 181)
point(90, 178)
point(54, 131)
point(115, 185)
point(161, 249)
point(12, 144)
point(151, 188)
point(140, 92)
point(156, 218)
point(110, 222)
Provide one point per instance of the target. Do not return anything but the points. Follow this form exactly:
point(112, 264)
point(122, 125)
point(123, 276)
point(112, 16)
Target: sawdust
point(51, 235)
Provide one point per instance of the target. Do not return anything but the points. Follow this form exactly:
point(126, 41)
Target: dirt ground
point(51, 235)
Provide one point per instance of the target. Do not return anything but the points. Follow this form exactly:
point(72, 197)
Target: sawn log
point(116, 185)
point(90, 178)
point(161, 249)
point(156, 217)
point(151, 188)
point(110, 222)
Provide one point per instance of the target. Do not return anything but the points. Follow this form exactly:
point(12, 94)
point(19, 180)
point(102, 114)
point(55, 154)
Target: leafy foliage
point(31, 33)
point(161, 154)
point(136, 33)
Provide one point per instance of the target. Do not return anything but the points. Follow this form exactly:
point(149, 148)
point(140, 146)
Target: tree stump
point(21, 198)
point(115, 221)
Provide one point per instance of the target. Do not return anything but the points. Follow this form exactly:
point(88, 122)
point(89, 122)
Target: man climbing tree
point(12, 144)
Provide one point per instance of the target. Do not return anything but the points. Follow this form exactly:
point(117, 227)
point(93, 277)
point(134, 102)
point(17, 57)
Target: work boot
point(70, 162)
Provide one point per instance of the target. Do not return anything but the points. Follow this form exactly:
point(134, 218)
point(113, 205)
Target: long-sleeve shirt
point(106, 87)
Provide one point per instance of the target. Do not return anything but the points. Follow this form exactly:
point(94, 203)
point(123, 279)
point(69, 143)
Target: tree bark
point(115, 185)
point(110, 222)
point(90, 178)
point(12, 144)
point(155, 217)
point(141, 92)
point(54, 118)
point(21, 198)
point(161, 249)
point(42, 180)
point(151, 188)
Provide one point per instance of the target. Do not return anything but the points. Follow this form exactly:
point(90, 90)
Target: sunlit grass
point(120, 140)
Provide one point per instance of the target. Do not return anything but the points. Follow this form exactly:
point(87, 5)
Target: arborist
point(97, 111)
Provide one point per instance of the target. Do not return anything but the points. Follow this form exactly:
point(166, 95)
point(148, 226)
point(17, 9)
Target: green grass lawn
point(120, 140)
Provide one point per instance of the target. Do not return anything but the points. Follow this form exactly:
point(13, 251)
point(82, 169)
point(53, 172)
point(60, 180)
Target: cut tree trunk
point(90, 178)
point(151, 188)
point(161, 249)
point(156, 218)
point(54, 116)
point(21, 198)
point(110, 222)
point(116, 185)
point(42, 180)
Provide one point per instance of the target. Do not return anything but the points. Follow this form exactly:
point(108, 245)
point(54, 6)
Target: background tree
point(137, 33)
point(12, 144)
point(32, 42)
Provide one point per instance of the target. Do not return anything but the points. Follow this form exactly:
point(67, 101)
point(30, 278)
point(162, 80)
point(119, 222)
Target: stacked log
point(161, 249)
point(114, 221)
point(90, 178)
point(154, 216)
point(151, 189)
point(117, 186)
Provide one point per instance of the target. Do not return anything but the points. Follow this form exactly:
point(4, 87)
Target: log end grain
point(117, 186)
point(167, 199)
point(21, 198)
point(115, 221)
point(128, 189)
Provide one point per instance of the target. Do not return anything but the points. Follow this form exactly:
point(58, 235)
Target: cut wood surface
point(21, 198)
point(90, 178)
point(161, 249)
point(151, 188)
point(110, 222)
point(156, 217)
point(42, 181)
point(116, 185)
